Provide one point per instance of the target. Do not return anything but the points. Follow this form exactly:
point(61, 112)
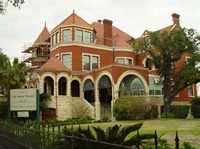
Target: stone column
point(97, 104)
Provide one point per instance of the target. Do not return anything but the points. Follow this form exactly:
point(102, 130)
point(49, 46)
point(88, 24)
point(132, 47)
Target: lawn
point(188, 130)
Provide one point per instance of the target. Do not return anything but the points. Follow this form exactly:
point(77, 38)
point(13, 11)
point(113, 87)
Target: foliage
point(195, 107)
point(167, 48)
point(187, 145)
point(115, 134)
point(177, 111)
point(44, 99)
point(15, 3)
point(12, 74)
point(3, 109)
point(127, 108)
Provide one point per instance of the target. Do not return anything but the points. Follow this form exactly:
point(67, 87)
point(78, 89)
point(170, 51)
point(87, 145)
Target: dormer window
point(124, 60)
point(83, 36)
point(67, 35)
point(78, 35)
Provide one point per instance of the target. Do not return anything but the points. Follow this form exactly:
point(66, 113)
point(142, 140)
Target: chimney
point(107, 24)
point(175, 18)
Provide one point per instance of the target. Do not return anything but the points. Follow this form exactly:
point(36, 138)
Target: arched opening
point(75, 88)
point(49, 85)
point(148, 63)
point(62, 86)
point(105, 97)
point(88, 89)
point(131, 85)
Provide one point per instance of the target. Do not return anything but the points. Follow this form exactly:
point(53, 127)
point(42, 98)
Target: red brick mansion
point(87, 67)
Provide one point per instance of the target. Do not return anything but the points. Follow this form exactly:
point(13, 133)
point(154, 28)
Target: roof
point(120, 38)
point(73, 19)
point(54, 65)
point(43, 36)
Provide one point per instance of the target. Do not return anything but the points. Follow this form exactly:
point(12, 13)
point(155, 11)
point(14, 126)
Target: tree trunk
point(166, 107)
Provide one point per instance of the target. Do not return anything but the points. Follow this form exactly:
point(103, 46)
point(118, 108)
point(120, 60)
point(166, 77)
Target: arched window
point(49, 85)
point(88, 90)
point(62, 86)
point(131, 85)
point(75, 88)
point(148, 63)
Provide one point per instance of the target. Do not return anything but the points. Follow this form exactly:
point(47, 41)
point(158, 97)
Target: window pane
point(67, 60)
point(66, 35)
point(87, 37)
point(95, 62)
point(120, 60)
point(190, 91)
point(57, 37)
point(86, 62)
point(78, 35)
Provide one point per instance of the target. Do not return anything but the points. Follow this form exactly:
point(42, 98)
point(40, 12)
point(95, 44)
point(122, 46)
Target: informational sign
point(23, 99)
point(23, 114)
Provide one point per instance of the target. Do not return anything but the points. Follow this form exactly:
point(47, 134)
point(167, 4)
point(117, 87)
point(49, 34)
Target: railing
point(47, 136)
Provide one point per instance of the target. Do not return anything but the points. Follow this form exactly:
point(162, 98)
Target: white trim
point(90, 55)
point(63, 53)
point(92, 45)
point(132, 72)
point(193, 91)
point(125, 57)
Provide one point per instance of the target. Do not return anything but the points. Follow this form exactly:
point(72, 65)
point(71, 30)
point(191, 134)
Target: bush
point(195, 107)
point(177, 111)
point(132, 108)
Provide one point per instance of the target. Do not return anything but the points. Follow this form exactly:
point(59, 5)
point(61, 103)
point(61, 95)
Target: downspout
point(56, 86)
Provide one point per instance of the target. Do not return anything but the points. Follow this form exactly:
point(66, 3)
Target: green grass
point(188, 130)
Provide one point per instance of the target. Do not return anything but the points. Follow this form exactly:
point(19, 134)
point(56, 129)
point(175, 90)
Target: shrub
point(131, 108)
point(195, 108)
point(176, 111)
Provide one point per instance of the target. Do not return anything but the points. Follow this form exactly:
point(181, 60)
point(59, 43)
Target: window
point(67, 35)
point(95, 62)
point(86, 37)
point(57, 37)
point(67, 60)
point(86, 62)
point(124, 60)
point(90, 62)
point(155, 85)
point(54, 40)
point(78, 35)
point(190, 91)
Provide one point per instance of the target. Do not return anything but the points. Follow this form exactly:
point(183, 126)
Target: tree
point(12, 74)
point(15, 3)
point(166, 50)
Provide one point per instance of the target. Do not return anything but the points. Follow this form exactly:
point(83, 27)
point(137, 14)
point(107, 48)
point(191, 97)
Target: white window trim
point(62, 39)
point(192, 91)
point(70, 53)
point(125, 57)
point(83, 30)
point(90, 55)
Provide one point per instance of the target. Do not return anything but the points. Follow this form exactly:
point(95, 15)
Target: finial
point(73, 11)
point(45, 24)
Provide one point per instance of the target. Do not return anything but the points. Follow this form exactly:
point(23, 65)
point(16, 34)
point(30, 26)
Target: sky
point(19, 27)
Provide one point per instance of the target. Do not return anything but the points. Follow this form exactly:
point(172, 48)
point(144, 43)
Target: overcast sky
point(18, 27)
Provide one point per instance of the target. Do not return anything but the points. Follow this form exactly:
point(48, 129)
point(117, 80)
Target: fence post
point(177, 140)
point(156, 140)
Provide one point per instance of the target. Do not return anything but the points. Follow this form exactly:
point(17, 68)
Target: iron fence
point(47, 136)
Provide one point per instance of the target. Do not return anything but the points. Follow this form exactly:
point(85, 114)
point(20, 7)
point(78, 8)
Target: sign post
point(23, 101)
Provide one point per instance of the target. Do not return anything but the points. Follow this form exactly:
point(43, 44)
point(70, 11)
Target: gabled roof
point(53, 65)
point(120, 38)
point(43, 36)
point(73, 19)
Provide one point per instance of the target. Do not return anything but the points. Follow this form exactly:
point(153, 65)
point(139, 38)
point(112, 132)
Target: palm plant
point(127, 135)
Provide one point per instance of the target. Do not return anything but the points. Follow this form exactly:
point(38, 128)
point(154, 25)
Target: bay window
point(90, 62)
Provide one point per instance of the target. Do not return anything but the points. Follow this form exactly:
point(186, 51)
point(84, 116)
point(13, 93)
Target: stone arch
point(62, 86)
point(132, 72)
point(89, 91)
point(104, 91)
point(48, 86)
point(75, 88)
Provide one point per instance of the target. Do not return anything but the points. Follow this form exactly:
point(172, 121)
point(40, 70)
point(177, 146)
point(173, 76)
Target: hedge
point(134, 108)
